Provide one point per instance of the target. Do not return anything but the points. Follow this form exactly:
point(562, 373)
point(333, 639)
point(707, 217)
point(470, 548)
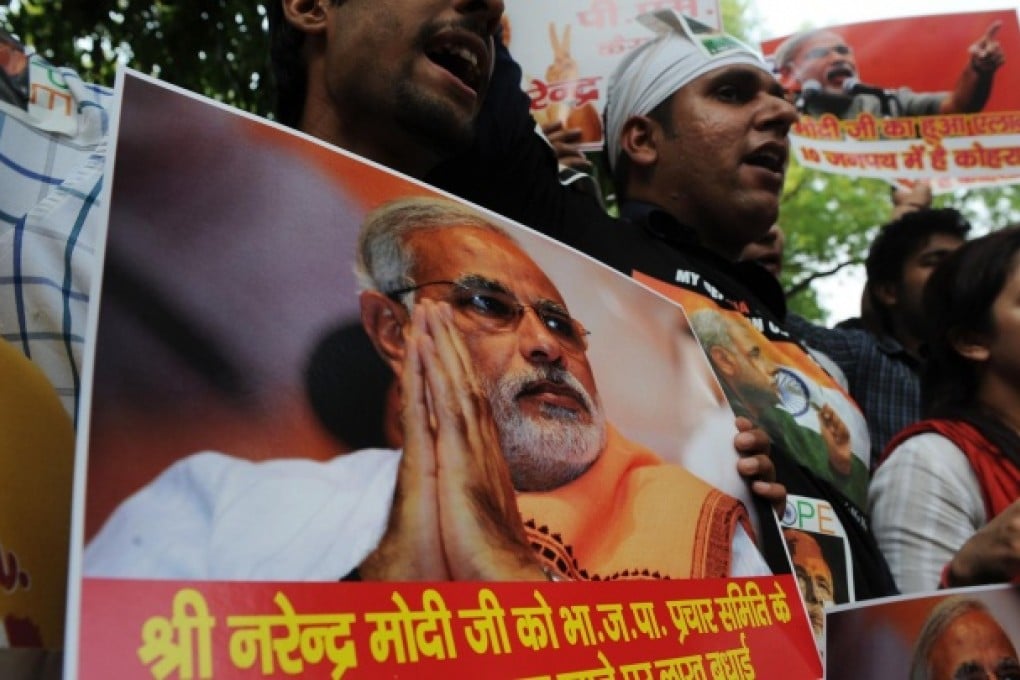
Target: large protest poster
point(897, 637)
point(926, 54)
point(225, 314)
point(568, 48)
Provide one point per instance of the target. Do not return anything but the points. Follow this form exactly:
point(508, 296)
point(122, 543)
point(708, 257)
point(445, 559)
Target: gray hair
point(711, 328)
point(940, 618)
point(788, 49)
point(384, 263)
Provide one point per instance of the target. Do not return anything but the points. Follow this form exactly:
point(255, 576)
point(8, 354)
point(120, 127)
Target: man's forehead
point(743, 332)
point(823, 38)
point(733, 71)
point(939, 242)
point(461, 251)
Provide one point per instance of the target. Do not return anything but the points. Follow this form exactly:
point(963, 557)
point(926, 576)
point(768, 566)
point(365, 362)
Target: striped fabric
point(52, 154)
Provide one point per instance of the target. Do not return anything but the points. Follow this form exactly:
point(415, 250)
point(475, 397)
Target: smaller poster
point(959, 633)
point(568, 48)
point(919, 98)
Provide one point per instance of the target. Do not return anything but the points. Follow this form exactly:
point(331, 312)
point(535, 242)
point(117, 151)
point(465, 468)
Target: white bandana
point(649, 74)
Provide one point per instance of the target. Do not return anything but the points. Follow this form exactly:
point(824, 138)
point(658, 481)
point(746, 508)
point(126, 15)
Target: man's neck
point(702, 224)
point(379, 141)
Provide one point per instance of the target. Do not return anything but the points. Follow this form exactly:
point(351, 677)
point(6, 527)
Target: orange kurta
point(632, 515)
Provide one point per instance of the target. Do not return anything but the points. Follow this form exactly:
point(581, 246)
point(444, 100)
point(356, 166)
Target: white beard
point(555, 448)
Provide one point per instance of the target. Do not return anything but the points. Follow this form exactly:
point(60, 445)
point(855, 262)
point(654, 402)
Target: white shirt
point(925, 503)
point(52, 159)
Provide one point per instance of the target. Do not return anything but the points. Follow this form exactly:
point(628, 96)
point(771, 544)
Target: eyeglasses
point(822, 52)
point(497, 310)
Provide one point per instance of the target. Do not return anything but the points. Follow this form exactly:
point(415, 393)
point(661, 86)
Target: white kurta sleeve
point(212, 516)
point(925, 502)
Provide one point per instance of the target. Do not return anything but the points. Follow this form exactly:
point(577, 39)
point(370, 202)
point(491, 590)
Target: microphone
point(853, 86)
point(812, 92)
point(890, 104)
point(809, 88)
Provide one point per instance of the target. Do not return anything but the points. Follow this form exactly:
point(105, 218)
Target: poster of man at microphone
point(911, 98)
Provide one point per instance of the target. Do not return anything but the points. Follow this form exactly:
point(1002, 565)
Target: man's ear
point(970, 345)
point(638, 142)
point(383, 320)
point(885, 293)
point(307, 16)
point(723, 361)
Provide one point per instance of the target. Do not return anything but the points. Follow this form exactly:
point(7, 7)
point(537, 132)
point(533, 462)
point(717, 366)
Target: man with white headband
point(697, 139)
point(697, 131)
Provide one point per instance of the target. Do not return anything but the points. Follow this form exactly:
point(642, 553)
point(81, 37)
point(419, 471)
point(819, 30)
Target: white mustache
point(513, 385)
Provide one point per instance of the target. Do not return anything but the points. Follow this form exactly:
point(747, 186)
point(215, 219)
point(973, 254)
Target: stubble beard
point(436, 125)
point(545, 452)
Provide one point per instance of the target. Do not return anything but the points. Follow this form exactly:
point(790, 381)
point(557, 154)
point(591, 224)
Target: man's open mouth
point(464, 55)
point(771, 156)
point(771, 262)
point(839, 72)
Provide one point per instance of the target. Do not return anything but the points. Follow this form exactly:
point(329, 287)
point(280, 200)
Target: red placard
point(717, 628)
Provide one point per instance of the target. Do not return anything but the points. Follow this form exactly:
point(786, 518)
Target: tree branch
point(803, 284)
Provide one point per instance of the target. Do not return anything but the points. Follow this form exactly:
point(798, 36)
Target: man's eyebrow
point(967, 669)
point(485, 283)
point(1007, 663)
point(552, 305)
point(738, 73)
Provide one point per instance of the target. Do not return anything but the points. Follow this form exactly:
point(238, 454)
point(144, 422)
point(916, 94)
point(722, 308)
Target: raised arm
point(975, 83)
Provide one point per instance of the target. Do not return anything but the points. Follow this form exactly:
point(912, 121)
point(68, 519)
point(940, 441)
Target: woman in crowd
point(944, 502)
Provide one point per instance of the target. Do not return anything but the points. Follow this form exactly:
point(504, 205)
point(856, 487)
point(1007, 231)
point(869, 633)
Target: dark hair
point(898, 240)
point(288, 64)
point(621, 172)
point(958, 299)
point(904, 236)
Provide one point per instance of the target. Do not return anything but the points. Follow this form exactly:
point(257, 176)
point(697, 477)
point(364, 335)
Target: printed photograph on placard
point(957, 633)
point(248, 382)
point(302, 363)
point(868, 110)
point(567, 50)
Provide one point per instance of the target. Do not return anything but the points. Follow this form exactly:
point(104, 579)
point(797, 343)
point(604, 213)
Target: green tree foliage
point(740, 18)
point(218, 48)
point(214, 47)
point(829, 222)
